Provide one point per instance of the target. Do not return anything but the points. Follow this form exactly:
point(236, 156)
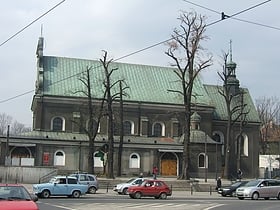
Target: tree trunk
point(121, 134)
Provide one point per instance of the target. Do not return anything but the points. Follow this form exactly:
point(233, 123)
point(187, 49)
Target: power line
point(17, 96)
point(224, 16)
point(245, 10)
point(21, 30)
point(143, 49)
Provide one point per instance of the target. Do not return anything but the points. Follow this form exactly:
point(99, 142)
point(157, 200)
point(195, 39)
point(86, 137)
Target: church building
point(152, 120)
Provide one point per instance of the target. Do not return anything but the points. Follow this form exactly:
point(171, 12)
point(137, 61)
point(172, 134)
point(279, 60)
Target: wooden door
point(168, 167)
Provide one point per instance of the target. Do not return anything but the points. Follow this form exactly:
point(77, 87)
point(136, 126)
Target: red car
point(150, 188)
point(16, 197)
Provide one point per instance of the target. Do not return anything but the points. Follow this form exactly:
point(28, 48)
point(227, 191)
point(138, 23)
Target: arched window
point(244, 147)
point(98, 160)
point(59, 158)
point(218, 136)
point(95, 124)
point(128, 127)
point(202, 160)
point(158, 129)
point(134, 161)
point(58, 124)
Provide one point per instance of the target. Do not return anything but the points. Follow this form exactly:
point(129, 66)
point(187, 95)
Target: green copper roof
point(220, 105)
point(146, 83)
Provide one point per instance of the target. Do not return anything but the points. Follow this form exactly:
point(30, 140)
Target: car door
point(263, 189)
point(273, 188)
point(73, 184)
point(148, 188)
point(60, 187)
point(153, 190)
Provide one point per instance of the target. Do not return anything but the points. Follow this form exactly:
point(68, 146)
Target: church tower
point(231, 82)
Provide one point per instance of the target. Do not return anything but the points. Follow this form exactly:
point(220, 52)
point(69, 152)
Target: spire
point(230, 50)
point(232, 81)
point(40, 49)
point(231, 66)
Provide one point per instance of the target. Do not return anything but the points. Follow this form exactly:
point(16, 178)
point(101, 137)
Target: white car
point(260, 188)
point(122, 187)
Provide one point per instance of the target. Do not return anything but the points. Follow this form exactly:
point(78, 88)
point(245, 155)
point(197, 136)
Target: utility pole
point(205, 158)
point(8, 158)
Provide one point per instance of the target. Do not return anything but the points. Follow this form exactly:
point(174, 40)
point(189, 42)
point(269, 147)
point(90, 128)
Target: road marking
point(212, 207)
point(59, 206)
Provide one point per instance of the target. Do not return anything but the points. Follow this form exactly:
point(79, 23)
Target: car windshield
point(14, 193)
point(236, 184)
point(53, 180)
point(252, 183)
point(131, 180)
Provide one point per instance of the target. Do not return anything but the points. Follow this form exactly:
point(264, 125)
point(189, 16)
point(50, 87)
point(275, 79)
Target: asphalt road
point(179, 200)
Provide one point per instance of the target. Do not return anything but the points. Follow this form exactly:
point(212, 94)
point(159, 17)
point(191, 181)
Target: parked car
point(122, 187)
point(87, 179)
point(60, 186)
point(260, 188)
point(231, 189)
point(150, 188)
point(16, 196)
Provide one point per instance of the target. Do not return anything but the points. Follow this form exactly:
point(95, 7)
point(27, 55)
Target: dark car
point(150, 188)
point(231, 189)
point(15, 196)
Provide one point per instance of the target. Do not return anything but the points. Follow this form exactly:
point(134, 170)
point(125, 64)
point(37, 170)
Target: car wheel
point(124, 191)
point(163, 196)
point(255, 196)
point(137, 195)
point(278, 196)
point(92, 190)
point(131, 196)
point(45, 194)
point(76, 194)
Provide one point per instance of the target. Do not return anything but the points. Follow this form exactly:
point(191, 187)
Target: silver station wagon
point(260, 188)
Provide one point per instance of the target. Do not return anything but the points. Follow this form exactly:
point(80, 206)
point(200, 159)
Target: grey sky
point(84, 28)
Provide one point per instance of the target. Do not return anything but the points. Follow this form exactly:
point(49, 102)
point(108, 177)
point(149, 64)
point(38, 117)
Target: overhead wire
point(141, 50)
point(233, 16)
point(21, 30)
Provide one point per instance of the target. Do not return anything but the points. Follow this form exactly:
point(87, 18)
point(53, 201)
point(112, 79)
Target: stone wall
point(16, 174)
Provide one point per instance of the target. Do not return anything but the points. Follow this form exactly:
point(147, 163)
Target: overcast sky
point(83, 28)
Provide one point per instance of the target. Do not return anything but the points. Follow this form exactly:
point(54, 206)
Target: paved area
point(177, 194)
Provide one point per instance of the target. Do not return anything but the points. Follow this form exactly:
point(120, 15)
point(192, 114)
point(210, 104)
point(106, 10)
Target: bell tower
point(231, 81)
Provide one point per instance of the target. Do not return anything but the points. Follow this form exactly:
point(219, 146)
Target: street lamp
point(205, 157)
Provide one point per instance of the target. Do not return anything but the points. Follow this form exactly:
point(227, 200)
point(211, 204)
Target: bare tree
point(94, 114)
point(5, 120)
point(187, 54)
point(122, 93)
point(111, 96)
point(268, 110)
point(234, 105)
point(17, 128)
